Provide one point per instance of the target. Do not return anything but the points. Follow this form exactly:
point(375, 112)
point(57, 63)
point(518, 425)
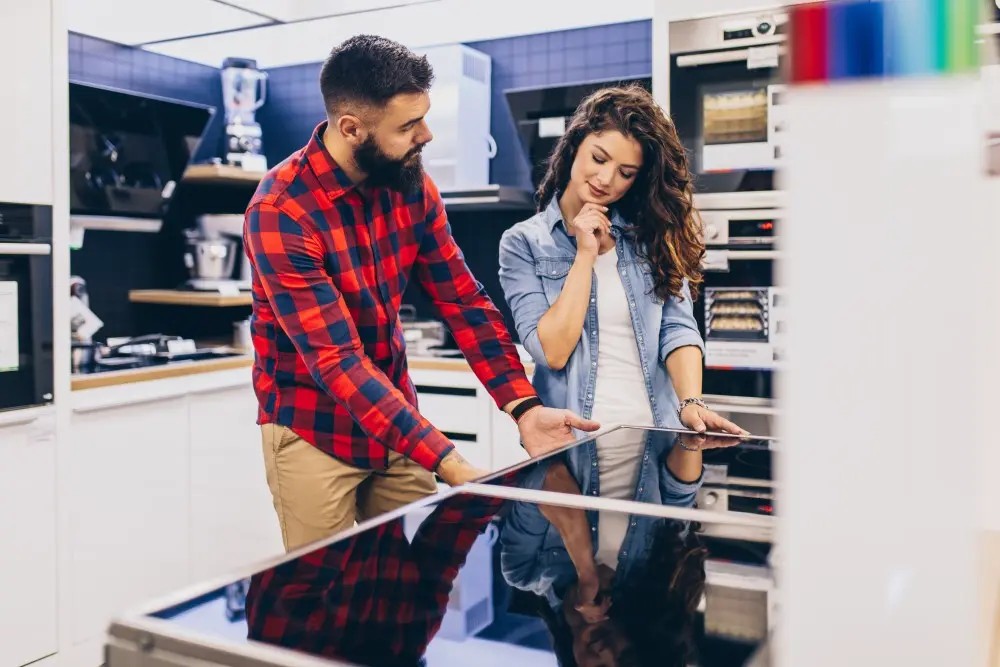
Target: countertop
point(181, 369)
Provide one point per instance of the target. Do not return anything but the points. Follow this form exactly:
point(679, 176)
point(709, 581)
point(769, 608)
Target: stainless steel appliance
point(26, 367)
point(244, 91)
point(726, 97)
point(422, 336)
point(741, 310)
point(214, 255)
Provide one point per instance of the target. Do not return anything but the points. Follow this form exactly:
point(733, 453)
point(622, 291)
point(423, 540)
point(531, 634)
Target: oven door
point(726, 98)
point(741, 317)
point(26, 367)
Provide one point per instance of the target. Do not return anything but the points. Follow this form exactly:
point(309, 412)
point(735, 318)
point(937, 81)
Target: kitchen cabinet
point(506, 442)
point(26, 163)
point(28, 610)
point(129, 535)
point(232, 519)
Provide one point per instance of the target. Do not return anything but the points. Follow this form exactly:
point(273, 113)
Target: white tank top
point(620, 397)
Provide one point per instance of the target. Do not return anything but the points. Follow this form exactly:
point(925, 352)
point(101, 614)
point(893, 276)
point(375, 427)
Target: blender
point(244, 90)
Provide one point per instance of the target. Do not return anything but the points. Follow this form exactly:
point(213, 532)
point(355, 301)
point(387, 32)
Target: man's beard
point(405, 175)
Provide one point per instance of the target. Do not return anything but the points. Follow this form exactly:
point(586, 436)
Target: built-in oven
point(26, 366)
point(726, 98)
point(741, 311)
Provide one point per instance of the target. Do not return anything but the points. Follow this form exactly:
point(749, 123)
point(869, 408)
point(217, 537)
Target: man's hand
point(456, 471)
point(546, 429)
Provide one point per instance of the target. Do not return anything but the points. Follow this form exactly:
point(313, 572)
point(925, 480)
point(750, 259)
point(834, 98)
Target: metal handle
point(37, 249)
point(717, 57)
point(492, 146)
point(737, 255)
point(113, 404)
point(17, 418)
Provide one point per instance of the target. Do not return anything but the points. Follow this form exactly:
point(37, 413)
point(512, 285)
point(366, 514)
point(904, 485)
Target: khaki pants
point(316, 495)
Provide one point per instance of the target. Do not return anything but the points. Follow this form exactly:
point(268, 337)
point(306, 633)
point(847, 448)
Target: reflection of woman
point(613, 584)
point(613, 260)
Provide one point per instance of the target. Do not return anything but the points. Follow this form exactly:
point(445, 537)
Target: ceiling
point(149, 22)
point(276, 33)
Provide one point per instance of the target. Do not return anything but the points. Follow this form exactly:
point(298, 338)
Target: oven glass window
point(9, 344)
point(729, 118)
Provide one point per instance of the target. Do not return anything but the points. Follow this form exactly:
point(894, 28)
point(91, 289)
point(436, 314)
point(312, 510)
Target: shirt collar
point(334, 180)
point(553, 216)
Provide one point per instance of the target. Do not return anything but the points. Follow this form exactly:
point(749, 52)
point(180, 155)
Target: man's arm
point(288, 258)
point(475, 323)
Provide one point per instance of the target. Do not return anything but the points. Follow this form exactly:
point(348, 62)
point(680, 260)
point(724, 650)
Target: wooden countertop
point(177, 369)
point(220, 173)
point(173, 297)
point(180, 369)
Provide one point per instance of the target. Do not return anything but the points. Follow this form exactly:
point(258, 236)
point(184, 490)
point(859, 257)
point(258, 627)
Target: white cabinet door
point(232, 519)
point(129, 529)
point(506, 441)
point(27, 538)
point(26, 115)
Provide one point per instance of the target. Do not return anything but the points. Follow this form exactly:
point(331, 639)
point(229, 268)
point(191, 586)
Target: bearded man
point(334, 234)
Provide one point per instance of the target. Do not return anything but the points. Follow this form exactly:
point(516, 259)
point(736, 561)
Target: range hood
point(127, 154)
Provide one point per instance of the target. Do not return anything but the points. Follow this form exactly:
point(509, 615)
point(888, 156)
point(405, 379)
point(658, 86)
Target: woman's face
point(605, 167)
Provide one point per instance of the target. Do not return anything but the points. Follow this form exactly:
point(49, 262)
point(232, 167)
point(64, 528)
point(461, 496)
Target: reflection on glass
point(478, 580)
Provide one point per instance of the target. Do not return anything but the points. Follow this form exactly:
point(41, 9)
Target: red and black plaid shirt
point(330, 264)
point(372, 599)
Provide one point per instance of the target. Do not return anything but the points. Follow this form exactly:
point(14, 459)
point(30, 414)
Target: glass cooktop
point(480, 577)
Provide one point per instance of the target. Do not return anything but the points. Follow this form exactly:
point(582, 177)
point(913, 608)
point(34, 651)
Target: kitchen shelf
point(172, 297)
point(221, 174)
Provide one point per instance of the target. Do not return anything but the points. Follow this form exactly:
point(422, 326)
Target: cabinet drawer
point(453, 410)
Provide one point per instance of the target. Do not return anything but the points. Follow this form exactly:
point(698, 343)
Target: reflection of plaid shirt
point(330, 266)
point(375, 598)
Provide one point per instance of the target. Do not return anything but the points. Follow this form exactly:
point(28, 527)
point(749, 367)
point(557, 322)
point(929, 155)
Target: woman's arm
point(570, 522)
point(548, 334)
point(559, 329)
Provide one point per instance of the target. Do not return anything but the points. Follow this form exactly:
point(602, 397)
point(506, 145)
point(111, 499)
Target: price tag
point(759, 57)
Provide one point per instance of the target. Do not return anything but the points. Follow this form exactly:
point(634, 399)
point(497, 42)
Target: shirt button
point(594, 464)
point(593, 300)
point(593, 529)
point(633, 523)
point(646, 457)
point(553, 272)
point(632, 303)
point(624, 553)
point(590, 395)
point(640, 489)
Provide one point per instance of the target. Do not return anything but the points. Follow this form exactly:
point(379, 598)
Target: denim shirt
point(535, 257)
point(533, 556)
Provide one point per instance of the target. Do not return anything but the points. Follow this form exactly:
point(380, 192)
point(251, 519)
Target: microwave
point(26, 320)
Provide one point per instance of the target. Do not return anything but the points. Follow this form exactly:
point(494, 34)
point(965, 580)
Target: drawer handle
point(462, 437)
point(446, 391)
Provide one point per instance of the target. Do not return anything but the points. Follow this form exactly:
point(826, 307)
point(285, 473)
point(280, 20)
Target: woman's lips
point(597, 192)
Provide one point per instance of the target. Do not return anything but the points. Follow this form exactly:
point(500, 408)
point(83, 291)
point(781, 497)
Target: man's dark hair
point(371, 70)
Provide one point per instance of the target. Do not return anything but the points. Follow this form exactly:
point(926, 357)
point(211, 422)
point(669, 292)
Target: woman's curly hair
point(659, 207)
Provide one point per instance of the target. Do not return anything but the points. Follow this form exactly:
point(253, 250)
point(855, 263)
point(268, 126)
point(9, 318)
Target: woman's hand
point(700, 419)
point(592, 604)
point(589, 226)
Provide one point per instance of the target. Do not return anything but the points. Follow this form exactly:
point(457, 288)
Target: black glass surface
point(476, 579)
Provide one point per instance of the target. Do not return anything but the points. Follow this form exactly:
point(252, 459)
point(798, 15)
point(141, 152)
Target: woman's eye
point(626, 175)
point(599, 160)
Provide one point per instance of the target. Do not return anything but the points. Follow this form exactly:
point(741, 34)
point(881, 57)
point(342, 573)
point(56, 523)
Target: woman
point(601, 281)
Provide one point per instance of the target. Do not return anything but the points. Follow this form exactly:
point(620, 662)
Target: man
point(334, 233)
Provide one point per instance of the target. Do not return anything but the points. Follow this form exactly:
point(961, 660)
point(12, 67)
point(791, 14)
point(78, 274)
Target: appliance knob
point(711, 498)
point(711, 232)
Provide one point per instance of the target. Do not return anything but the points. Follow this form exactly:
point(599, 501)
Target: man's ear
point(351, 129)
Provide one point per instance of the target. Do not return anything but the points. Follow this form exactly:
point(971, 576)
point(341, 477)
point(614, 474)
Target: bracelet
point(680, 443)
point(521, 408)
point(690, 401)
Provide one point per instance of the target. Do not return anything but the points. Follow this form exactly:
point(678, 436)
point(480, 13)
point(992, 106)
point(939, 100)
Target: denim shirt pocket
point(552, 272)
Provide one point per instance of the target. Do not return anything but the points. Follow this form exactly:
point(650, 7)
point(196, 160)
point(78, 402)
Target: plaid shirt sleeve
point(461, 300)
point(289, 259)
